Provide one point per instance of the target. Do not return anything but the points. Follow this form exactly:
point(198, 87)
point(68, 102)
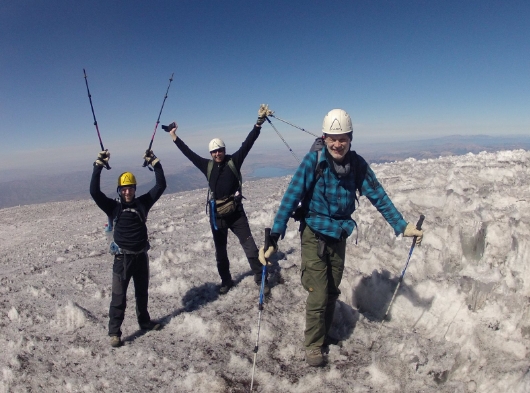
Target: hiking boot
point(225, 287)
point(151, 326)
point(313, 357)
point(115, 341)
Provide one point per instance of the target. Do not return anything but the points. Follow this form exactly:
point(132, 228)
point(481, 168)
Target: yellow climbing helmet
point(126, 179)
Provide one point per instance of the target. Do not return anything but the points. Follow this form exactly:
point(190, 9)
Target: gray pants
point(238, 224)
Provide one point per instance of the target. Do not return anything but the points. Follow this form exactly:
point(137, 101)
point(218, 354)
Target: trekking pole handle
point(267, 235)
point(418, 227)
point(145, 164)
point(420, 222)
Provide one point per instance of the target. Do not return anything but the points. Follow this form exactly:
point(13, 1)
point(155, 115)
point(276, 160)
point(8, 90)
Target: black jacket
point(130, 231)
point(223, 182)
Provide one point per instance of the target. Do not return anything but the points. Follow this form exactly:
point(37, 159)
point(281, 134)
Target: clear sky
point(402, 69)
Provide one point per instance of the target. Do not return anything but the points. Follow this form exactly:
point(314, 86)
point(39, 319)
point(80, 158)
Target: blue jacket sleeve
point(376, 194)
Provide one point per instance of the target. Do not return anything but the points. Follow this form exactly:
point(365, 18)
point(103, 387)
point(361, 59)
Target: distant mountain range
point(75, 185)
point(444, 146)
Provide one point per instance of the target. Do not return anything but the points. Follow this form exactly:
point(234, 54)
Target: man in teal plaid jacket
point(327, 183)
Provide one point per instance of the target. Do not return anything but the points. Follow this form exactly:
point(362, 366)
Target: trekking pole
point(289, 147)
point(94, 116)
point(300, 128)
point(418, 227)
point(145, 164)
point(260, 305)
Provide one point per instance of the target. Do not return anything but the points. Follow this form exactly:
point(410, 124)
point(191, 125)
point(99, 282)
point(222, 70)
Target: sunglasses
point(221, 150)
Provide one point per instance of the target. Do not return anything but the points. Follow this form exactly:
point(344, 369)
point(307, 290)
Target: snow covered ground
point(460, 321)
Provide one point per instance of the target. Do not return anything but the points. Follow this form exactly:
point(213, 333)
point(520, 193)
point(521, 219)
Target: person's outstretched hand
point(411, 231)
point(263, 112)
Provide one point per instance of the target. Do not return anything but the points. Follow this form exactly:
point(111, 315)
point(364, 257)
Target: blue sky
point(402, 69)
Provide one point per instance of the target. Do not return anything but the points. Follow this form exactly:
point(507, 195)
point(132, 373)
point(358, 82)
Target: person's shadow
point(344, 322)
point(373, 294)
point(194, 299)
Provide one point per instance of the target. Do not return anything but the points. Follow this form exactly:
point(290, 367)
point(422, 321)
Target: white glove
point(263, 112)
point(150, 158)
point(411, 231)
point(265, 255)
point(103, 158)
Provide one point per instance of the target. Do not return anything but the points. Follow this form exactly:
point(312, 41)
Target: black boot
point(151, 325)
point(225, 287)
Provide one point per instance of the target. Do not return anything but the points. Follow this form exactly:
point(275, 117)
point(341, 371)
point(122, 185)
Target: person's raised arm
point(239, 156)
point(160, 183)
point(200, 162)
point(104, 203)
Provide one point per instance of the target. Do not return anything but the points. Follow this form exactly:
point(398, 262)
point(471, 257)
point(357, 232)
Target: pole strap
point(295, 126)
point(281, 137)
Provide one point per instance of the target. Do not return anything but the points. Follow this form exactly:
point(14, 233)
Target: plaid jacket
point(333, 199)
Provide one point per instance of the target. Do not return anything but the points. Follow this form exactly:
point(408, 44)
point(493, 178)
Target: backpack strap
point(318, 169)
point(318, 174)
point(132, 210)
point(209, 171)
point(232, 166)
point(359, 167)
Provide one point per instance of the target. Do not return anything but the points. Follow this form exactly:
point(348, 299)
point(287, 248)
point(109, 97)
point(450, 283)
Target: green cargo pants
point(321, 278)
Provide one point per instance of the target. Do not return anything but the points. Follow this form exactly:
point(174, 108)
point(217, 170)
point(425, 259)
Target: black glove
point(103, 158)
point(169, 127)
point(150, 158)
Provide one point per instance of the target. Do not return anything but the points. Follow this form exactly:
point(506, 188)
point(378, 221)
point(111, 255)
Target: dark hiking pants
point(127, 266)
point(238, 224)
point(321, 277)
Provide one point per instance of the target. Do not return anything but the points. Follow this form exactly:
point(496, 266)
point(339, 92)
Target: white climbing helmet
point(215, 144)
point(337, 121)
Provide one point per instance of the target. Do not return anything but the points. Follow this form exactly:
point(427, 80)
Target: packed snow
point(460, 321)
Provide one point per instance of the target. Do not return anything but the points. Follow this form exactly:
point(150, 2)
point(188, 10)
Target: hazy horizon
point(61, 183)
